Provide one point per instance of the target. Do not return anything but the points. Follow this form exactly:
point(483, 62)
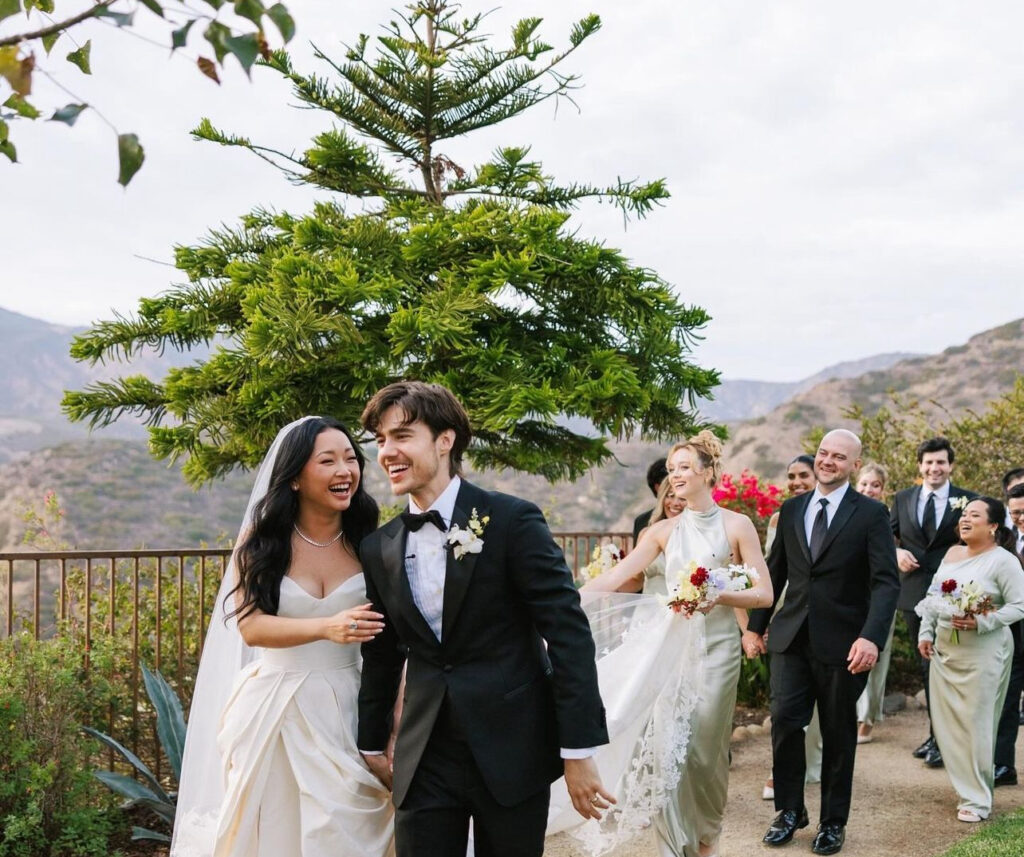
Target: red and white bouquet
point(950, 598)
point(696, 587)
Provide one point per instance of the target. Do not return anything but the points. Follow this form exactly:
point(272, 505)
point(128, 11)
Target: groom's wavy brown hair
point(432, 404)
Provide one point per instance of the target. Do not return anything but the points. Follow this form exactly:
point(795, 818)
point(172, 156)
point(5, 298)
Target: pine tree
point(470, 277)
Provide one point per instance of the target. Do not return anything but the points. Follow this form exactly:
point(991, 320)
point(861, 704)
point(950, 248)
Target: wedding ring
point(353, 625)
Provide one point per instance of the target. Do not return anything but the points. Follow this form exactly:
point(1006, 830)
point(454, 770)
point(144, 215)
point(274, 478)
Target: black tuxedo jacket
point(849, 592)
point(909, 535)
point(516, 699)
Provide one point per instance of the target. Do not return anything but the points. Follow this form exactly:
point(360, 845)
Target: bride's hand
point(355, 625)
point(708, 605)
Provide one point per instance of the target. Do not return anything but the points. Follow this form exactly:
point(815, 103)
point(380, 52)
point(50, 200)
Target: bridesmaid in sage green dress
point(691, 823)
point(969, 677)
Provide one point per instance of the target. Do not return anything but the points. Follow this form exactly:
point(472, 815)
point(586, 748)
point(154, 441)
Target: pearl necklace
point(316, 544)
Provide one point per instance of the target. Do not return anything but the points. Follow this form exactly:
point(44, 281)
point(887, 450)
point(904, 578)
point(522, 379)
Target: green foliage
point(987, 444)
point(49, 806)
point(148, 793)
point(475, 279)
point(752, 690)
point(242, 37)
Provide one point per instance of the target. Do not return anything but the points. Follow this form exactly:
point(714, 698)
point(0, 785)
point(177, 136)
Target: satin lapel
point(393, 554)
point(839, 519)
point(459, 572)
point(801, 530)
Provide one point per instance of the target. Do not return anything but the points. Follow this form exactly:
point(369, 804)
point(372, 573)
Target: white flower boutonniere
point(957, 504)
point(468, 539)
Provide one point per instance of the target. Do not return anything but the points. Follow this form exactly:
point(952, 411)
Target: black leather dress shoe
point(924, 747)
point(934, 758)
point(829, 838)
point(786, 823)
point(1005, 776)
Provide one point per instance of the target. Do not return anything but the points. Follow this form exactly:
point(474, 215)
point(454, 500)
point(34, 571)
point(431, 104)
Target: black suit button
point(447, 668)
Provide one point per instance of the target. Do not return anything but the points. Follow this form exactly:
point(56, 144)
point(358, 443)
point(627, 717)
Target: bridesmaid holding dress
point(969, 677)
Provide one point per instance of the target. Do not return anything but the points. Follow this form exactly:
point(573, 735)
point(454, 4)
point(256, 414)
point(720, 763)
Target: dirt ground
point(900, 808)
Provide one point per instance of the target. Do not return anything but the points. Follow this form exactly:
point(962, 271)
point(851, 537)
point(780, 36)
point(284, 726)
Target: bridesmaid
point(691, 823)
point(969, 678)
point(871, 483)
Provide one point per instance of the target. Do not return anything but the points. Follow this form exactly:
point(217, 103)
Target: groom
point(501, 688)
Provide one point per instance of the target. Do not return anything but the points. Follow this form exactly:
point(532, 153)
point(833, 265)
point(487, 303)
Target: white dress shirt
point(941, 499)
point(426, 557)
point(833, 500)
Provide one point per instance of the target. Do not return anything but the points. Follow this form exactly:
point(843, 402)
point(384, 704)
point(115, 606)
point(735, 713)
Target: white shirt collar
point(445, 502)
point(941, 493)
point(835, 498)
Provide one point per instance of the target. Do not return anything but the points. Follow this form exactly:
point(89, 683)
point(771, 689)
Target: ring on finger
point(353, 625)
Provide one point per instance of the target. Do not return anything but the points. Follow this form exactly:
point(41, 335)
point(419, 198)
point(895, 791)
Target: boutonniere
point(957, 504)
point(468, 539)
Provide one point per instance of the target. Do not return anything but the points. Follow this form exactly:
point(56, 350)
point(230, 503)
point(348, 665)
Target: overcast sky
point(846, 178)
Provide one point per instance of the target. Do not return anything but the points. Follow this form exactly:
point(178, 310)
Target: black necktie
point(415, 522)
point(819, 529)
point(928, 521)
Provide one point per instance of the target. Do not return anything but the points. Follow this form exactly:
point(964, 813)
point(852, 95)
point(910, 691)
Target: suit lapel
point(459, 572)
point(839, 519)
point(913, 501)
point(949, 513)
point(800, 510)
point(393, 543)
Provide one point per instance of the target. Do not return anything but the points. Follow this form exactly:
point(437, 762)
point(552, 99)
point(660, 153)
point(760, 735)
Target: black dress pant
point(913, 628)
point(1009, 720)
point(798, 681)
point(448, 790)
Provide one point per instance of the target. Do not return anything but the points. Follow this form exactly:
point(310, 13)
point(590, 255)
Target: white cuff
point(578, 752)
point(372, 752)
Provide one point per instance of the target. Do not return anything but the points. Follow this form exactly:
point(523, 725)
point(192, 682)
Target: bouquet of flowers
point(604, 557)
point(950, 598)
point(696, 587)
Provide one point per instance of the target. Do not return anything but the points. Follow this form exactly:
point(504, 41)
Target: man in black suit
point(835, 551)
point(501, 685)
point(924, 522)
point(1009, 720)
point(656, 474)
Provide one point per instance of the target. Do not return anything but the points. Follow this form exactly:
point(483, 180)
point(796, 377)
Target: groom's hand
point(584, 785)
point(863, 656)
point(380, 767)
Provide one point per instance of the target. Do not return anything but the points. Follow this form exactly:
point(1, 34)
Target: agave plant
point(146, 791)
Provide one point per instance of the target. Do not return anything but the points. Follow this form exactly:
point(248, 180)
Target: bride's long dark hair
point(265, 553)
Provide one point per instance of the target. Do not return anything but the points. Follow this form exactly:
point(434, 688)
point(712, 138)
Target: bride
point(270, 764)
point(690, 822)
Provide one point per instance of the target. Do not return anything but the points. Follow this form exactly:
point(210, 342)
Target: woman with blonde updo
point(705, 534)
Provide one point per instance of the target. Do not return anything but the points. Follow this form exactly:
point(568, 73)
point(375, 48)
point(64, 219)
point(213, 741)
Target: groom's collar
point(445, 503)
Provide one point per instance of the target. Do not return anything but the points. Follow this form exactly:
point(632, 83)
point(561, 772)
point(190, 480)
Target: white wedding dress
point(294, 783)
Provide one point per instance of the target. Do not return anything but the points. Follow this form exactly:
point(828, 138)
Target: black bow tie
point(414, 522)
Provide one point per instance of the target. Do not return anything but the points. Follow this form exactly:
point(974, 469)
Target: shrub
point(49, 805)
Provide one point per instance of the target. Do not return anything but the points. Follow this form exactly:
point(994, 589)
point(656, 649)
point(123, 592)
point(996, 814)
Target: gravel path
point(900, 807)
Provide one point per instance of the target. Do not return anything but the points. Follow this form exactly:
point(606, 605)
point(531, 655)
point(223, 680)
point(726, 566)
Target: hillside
point(116, 495)
point(963, 377)
point(36, 369)
point(742, 399)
